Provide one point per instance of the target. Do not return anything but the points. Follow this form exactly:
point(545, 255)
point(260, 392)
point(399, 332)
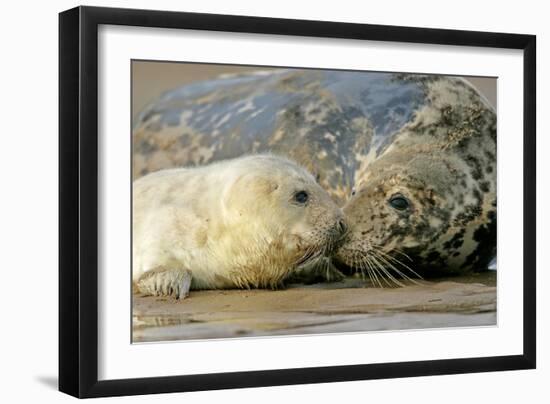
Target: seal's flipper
point(163, 281)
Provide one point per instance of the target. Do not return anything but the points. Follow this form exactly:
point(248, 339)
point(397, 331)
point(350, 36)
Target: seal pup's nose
point(342, 226)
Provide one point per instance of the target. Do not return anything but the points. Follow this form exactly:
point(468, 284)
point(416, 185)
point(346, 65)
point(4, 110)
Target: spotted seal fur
point(411, 158)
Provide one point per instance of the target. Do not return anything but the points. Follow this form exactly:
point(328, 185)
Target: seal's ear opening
point(247, 190)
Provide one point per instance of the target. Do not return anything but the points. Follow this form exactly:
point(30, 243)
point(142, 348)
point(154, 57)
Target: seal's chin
point(332, 243)
point(346, 256)
point(311, 255)
point(384, 268)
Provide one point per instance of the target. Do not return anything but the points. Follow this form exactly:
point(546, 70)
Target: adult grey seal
point(242, 223)
point(411, 158)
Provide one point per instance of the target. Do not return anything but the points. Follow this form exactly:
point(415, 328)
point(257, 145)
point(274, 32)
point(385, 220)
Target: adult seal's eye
point(301, 197)
point(399, 202)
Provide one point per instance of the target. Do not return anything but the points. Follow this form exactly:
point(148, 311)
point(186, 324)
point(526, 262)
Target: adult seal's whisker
point(399, 262)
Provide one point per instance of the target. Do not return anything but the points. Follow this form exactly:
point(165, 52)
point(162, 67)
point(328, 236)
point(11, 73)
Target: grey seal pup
point(242, 223)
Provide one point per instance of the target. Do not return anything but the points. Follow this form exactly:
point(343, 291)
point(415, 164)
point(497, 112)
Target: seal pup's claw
point(165, 282)
point(184, 285)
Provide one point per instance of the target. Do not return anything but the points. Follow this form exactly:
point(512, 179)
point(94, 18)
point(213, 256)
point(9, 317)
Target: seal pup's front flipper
point(163, 281)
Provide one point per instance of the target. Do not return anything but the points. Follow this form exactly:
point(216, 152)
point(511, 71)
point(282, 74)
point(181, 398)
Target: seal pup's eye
point(399, 202)
point(301, 197)
point(352, 191)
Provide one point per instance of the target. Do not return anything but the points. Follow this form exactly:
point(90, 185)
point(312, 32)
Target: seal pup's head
point(279, 218)
point(427, 203)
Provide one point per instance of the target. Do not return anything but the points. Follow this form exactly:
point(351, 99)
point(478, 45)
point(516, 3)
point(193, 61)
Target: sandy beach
point(353, 305)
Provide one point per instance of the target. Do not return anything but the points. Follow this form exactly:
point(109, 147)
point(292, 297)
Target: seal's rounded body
point(239, 223)
point(369, 138)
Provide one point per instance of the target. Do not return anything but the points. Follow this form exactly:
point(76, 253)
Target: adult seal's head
point(428, 201)
point(417, 152)
point(241, 223)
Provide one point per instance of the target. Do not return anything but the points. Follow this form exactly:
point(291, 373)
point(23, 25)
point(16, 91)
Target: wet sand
point(353, 305)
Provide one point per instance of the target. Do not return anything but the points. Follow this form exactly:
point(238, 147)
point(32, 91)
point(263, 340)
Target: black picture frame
point(78, 201)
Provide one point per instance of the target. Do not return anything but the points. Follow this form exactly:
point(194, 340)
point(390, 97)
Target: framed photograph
point(251, 201)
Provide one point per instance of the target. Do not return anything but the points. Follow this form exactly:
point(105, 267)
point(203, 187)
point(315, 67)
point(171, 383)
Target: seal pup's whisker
point(311, 254)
